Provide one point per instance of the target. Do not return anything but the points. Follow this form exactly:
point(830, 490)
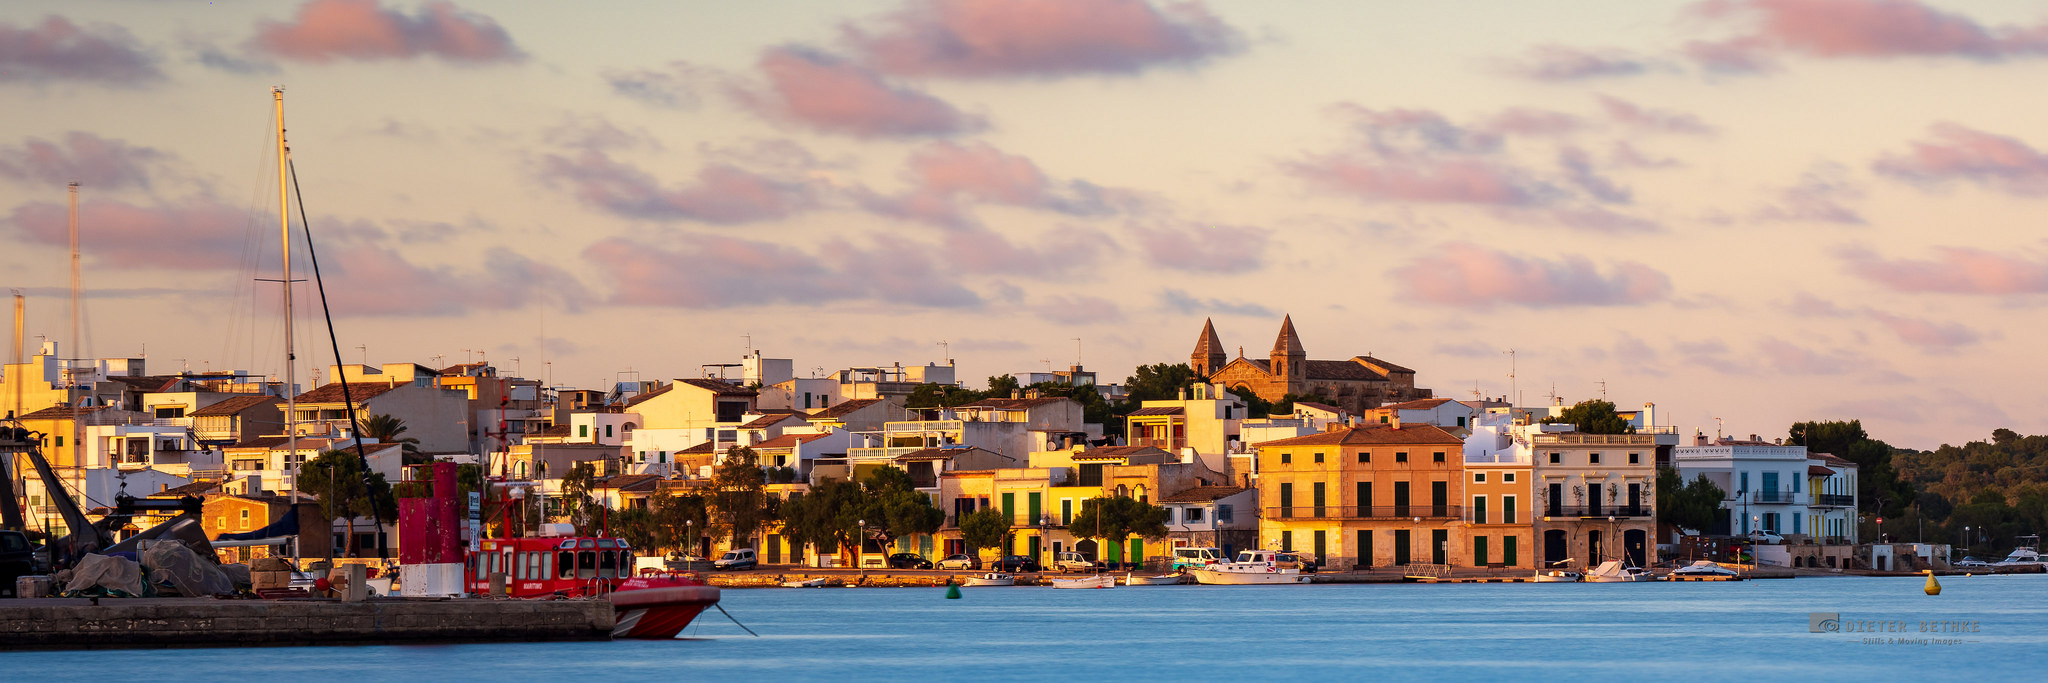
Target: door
point(1401, 501)
point(1479, 509)
point(1594, 556)
point(1478, 551)
point(1633, 542)
point(1364, 548)
point(1439, 546)
point(1554, 547)
point(1316, 492)
point(1507, 550)
point(1322, 549)
point(1363, 499)
point(1137, 550)
point(1635, 500)
point(1439, 499)
point(1401, 548)
point(1286, 500)
point(1010, 507)
point(1031, 544)
point(774, 548)
point(1556, 506)
point(1031, 509)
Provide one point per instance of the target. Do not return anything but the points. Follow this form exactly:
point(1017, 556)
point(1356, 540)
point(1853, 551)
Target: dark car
point(17, 559)
point(1016, 563)
point(908, 561)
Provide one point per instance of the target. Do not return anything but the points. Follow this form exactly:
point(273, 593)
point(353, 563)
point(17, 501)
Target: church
point(1356, 385)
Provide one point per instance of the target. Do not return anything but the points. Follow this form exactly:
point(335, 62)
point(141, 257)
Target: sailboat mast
point(70, 366)
point(284, 230)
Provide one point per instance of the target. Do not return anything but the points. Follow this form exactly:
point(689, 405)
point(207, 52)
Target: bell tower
point(1208, 356)
point(1288, 358)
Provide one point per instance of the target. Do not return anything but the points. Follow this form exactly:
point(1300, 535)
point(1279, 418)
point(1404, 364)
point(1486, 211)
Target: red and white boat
point(654, 606)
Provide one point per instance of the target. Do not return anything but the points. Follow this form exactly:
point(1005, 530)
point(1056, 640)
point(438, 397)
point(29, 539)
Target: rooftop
point(1372, 435)
point(233, 406)
point(1203, 494)
point(845, 408)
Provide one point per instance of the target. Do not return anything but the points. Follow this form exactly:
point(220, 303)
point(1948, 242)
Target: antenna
point(1047, 362)
point(1553, 394)
point(750, 341)
point(1077, 352)
point(1717, 429)
point(1475, 390)
point(515, 366)
point(945, 352)
point(1603, 389)
point(1513, 384)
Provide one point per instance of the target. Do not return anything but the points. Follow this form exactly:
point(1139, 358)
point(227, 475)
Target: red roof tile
point(233, 405)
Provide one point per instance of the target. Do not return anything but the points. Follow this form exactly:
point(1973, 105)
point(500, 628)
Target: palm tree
point(386, 429)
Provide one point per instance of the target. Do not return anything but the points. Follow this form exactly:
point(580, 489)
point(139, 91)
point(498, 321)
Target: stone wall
point(76, 623)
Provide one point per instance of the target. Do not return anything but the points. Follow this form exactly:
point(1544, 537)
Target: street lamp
point(690, 532)
point(861, 546)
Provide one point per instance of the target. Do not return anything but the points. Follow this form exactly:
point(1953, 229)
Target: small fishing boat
point(1704, 568)
point(991, 579)
point(1613, 571)
point(819, 582)
point(1559, 576)
point(1160, 580)
point(1096, 581)
point(1253, 567)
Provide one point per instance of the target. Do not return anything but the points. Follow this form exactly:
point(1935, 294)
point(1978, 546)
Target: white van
point(1193, 558)
point(742, 558)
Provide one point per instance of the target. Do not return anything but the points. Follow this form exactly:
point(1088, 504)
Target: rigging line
point(355, 428)
point(728, 615)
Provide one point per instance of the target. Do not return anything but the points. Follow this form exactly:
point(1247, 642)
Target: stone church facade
point(1356, 385)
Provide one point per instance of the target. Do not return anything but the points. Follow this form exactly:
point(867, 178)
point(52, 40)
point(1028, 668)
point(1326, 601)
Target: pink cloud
point(1817, 198)
point(1534, 122)
point(723, 272)
point(91, 160)
point(59, 51)
point(1418, 131)
point(722, 194)
point(1204, 248)
point(1041, 38)
point(1470, 276)
point(1559, 63)
point(1451, 181)
point(944, 176)
point(1059, 251)
point(197, 234)
point(1793, 359)
point(327, 30)
point(1655, 120)
point(824, 92)
point(1741, 56)
point(1956, 152)
point(1590, 219)
point(1870, 28)
point(1954, 270)
point(370, 280)
point(1078, 310)
point(1927, 334)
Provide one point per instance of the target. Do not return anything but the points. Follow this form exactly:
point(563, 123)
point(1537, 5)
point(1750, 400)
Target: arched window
point(1121, 492)
point(1141, 494)
point(519, 470)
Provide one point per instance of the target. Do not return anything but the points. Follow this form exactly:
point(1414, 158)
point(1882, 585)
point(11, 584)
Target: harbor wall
point(76, 623)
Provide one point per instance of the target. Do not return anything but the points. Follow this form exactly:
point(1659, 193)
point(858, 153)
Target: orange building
point(1369, 496)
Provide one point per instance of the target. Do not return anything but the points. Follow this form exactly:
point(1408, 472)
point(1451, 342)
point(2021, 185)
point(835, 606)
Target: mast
point(284, 230)
point(70, 366)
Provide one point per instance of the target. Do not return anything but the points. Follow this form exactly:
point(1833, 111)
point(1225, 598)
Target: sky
point(1749, 212)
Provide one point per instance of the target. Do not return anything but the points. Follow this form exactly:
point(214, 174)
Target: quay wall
point(76, 623)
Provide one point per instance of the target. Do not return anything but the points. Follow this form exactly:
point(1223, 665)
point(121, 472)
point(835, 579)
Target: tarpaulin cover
point(237, 573)
point(174, 564)
point(113, 576)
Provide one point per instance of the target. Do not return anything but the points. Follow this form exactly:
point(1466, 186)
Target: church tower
point(1288, 359)
point(1208, 356)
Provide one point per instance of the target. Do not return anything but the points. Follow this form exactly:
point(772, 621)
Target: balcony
point(1341, 512)
point(1576, 438)
point(1779, 496)
point(1834, 500)
point(1171, 445)
point(1598, 511)
point(922, 427)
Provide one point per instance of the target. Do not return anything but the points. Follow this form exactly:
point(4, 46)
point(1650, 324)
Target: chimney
point(1756, 438)
point(1699, 438)
point(1394, 419)
point(1016, 393)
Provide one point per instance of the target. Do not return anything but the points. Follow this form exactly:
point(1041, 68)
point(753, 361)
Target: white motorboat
point(1096, 581)
point(1612, 571)
point(1160, 580)
point(1559, 576)
point(819, 582)
point(991, 579)
point(1703, 568)
point(2026, 555)
point(1253, 567)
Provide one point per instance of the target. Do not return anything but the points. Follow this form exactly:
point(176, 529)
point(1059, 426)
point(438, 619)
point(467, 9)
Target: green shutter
point(1137, 550)
point(1033, 509)
point(1507, 550)
point(1010, 507)
point(1478, 551)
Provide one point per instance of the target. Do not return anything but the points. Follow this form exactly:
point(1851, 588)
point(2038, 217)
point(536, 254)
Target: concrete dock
point(114, 623)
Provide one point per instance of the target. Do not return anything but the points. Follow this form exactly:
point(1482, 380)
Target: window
point(170, 411)
point(1066, 511)
point(245, 519)
point(1365, 456)
point(1286, 541)
point(1479, 509)
point(1319, 457)
point(1363, 498)
point(1557, 458)
point(1286, 500)
point(1437, 456)
point(582, 431)
point(1191, 515)
point(607, 431)
point(60, 441)
point(1478, 477)
point(1507, 477)
point(1593, 458)
point(1400, 456)
point(1507, 512)
point(1286, 458)
point(1635, 458)
point(1223, 514)
point(1461, 422)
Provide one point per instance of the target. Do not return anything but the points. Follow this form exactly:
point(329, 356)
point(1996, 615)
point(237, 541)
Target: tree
point(386, 429)
point(895, 508)
point(942, 396)
point(1159, 382)
point(1253, 404)
point(1001, 386)
point(1879, 488)
point(1116, 518)
point(577, 504)
point(1695, 505)
point(828, 516)
point(738, 499)
point(984, 528)
point(1593, 416)
point(347, 489)
point(678, 521)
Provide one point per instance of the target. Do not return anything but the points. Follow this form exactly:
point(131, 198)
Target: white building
point(1771, 487)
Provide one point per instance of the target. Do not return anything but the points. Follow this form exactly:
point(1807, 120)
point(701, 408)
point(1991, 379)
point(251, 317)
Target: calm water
point(1522, 631)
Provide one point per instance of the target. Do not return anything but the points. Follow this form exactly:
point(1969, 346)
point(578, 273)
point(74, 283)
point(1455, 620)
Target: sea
point(1848, 628)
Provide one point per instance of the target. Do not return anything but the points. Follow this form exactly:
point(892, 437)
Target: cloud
point(362, 30)
point(1448, 181)
point(823, 92)
point(1534, 122)
point(1927, 334)
point(369, 280)
point(1956, 152)
point(1060, 251)
point(722, 272)
point(1189, 304)
point(1653, 120)
point(1844, 29)
point(1738, 57)
point(945, 176)
point(1078, 310)
point(1466, 350)
point(196, 234)
point(679, 85)
point(1591, 219)
point(1559, 63)
point(1041, 38)
point(722, 194)
point(60, 51)
point(1578, 168)
point(1817, 198)
point(1470, 276)
point(1204, 248)
point(1793, 359)
point(91, 160)
point(1806, 305)
point(1953, 270)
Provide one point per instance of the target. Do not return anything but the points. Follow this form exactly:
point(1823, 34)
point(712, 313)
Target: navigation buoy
point(952, 590)
point(1933, 587)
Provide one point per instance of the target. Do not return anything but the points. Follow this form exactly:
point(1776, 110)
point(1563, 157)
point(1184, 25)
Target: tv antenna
point(1514, 385)
point(1603, 389)
point(945, 352)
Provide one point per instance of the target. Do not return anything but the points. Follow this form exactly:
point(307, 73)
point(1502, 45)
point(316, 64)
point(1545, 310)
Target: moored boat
point(1160, 580)
point(1614, 572)
point(1706, 568)
point(991, 579)
point(1096, 581)
point(819, 582)
point(1253, 567)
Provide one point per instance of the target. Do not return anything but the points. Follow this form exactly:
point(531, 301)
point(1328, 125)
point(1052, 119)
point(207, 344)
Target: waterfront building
point(1357, 384)
point(438, 417)
point(1203, 418)
point(1594, 496)
point(1499, 479)
point(502, 410)
point(1224, 517)
point(1805, 498)
point(1366, 496)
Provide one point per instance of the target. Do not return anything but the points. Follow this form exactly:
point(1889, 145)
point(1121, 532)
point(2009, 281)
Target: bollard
point(357, 586)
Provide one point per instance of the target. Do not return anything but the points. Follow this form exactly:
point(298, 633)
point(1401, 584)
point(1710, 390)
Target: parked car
point(1762, 536)
point(1016, 563)
point(1972, 563)
point(908, 561)
point(733, 560)
point(960, 562)
point(1073, 562)
point(1291, 560)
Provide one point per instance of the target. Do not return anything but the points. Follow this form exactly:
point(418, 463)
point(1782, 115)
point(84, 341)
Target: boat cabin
point(535, 566)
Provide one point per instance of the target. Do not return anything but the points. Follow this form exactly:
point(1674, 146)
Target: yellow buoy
point(1933, 587)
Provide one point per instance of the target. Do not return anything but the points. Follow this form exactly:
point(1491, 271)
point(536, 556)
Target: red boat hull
point(658, 612)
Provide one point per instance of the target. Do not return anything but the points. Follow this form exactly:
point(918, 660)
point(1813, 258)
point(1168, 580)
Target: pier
point(116, 623)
